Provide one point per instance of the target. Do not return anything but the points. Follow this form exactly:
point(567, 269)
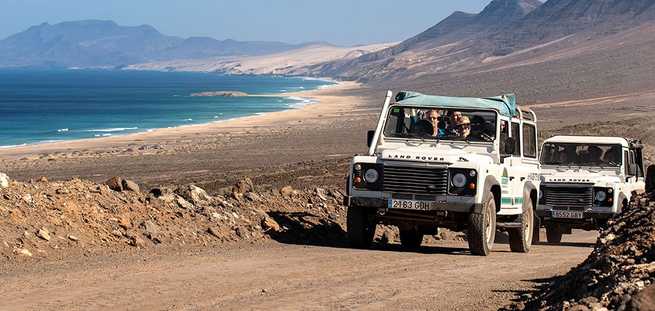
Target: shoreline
point(316, 102)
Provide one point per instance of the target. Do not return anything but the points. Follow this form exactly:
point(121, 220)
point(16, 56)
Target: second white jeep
point(585, 180)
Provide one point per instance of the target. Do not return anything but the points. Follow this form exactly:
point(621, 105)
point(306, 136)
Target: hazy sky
point(336, 21)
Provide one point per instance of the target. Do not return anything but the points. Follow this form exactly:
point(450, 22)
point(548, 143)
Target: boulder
point(183, 203)
point(129, 185)
point(115, 183)
point(269, 224)
point(287, 191)
point(194, 194)
point(243, 186)
point(151, 230)
point(321, 193)
point(4, 180)
point(44, 234)
point(252, 197)
point(23, 252)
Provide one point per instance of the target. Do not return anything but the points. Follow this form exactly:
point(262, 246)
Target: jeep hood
point(439, 154)
point(597, 176)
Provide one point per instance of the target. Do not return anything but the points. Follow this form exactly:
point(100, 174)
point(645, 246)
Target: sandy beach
point(331, 127)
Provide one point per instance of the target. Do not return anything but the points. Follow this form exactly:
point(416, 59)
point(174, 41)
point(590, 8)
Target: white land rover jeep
point(467, 164)
point(585, 180)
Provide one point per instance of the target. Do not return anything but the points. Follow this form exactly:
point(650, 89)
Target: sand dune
point(289, 62)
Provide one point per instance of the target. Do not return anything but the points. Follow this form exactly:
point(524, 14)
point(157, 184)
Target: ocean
point(52, 105)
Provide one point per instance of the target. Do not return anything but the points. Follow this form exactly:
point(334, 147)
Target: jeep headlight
point(462, 181)
point(371, 176)
point(459, 180)
point(601, 196)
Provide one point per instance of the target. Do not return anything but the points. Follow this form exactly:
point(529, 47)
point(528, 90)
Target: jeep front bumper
point(453, 204)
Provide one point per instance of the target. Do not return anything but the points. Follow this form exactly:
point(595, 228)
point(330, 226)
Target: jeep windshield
point(441, 124)
point(574, 154)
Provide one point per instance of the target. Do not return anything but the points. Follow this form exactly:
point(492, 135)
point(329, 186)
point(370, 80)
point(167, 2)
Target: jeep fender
point(491, 185)
point(527, 191)
point(619, 203)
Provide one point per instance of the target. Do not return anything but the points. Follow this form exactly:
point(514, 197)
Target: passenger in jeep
point(464, 127)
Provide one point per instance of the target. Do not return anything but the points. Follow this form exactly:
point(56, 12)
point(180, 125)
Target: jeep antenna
point(383, 113)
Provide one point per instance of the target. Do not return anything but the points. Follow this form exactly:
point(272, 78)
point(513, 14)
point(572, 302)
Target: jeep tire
point(650, 179)
point(360, 227)
point(554, 234)
point(411, 238)
point(536, 232)
point(482, 227)
point(520, 239)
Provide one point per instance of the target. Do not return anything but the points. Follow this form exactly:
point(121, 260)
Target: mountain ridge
point(104, 43)
point(503, 27)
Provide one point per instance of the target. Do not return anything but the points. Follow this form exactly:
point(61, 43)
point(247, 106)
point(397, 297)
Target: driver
point(593, 154)
point(434, 117)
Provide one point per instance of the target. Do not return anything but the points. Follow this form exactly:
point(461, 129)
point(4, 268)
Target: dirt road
point(282, 277)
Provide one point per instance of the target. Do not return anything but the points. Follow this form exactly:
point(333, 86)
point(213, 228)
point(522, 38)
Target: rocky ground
point(51, 219)
point(618, 275)
point(44, 219)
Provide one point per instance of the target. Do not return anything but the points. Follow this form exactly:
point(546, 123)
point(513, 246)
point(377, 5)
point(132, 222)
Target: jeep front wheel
point(520, 239)
point(482, 228)
point(411, 238)
point(360, 227)
point(553, 234)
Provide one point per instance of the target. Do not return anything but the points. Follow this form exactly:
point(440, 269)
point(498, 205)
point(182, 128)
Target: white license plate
point(568, 214)
point(413, 204)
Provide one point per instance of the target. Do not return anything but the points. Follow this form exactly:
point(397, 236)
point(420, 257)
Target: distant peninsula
point(220, 94)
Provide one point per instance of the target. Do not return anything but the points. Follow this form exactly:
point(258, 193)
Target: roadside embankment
point(618, 275)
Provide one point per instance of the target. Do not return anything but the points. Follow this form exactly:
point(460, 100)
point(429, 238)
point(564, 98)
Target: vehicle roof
point(504, 104)
point(588, 139)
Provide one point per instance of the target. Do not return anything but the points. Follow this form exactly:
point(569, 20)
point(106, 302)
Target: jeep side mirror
point(509, 145)
point(369, 138)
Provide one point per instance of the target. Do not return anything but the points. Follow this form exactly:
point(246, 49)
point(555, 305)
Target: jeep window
point(441, 124)
point(516, 130)
point(504, 134)
point(529, 140)
point(573, 154)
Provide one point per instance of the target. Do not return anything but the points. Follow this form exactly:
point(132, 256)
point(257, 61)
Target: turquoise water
point(41, 106)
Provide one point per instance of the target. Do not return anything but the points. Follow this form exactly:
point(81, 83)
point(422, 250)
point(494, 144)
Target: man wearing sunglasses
point(464, 127)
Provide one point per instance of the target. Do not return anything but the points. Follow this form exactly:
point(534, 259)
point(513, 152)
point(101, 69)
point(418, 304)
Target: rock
point(138, 242)
point(183, 203)
point(125, 222)
point(220, 94)
point(117, 233)
point(158, 192)
point(252, 196)
point(115, 183)
point(43, 179)
point(287, 191)
point(129, 185)
point(73, 238)
point(4, 180)
point(237, 196)
point(28, 199)
point(151, 230)
point(269, 224)
point(44, 234)
point(194, 194)
point(321, 193)
point(215, 232)
point(23, 252)
point(243, 186)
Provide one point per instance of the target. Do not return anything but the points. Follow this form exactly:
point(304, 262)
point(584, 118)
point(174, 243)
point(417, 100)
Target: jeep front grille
point(574, 198)
point(415, 180)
